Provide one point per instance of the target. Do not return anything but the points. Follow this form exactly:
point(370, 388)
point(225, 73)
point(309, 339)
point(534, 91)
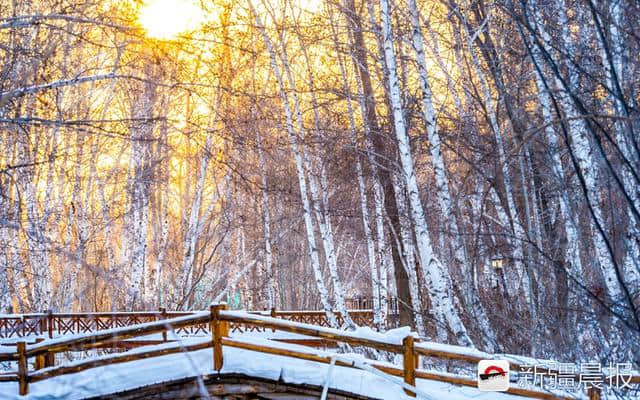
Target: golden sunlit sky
point(166, 19)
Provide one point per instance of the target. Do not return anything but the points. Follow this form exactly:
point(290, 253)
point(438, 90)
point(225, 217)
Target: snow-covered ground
point(121, 377)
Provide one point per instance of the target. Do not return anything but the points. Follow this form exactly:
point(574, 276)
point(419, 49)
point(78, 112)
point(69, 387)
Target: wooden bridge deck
point(229, 386)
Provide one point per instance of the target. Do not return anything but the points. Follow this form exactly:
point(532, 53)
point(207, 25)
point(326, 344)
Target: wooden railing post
point(50, 323)
point(219, 329)
point(42, 324)
point(594, 393)
point(22, 369)
point(409, 364)
point(273, 315)
point(163, 313)
point(49, 360)
point(40, 360)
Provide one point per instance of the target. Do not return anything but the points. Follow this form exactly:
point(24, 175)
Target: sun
point(166, 19)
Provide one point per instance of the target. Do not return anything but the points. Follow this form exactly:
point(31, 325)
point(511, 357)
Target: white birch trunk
point(161, 220)
point(410, 262)
point(443, 192)
point(191, 237)
point(38, 252)
point(381, 272)
point(378, 317)
point(572, 252)
point(317, 198)
point(6, 293)
point(617, 58)
point(140, 193)
point(306, 207)
point(80, 218)
point(585, 159)
point(516, 226)
point(383, 262)
point(567, 215)
point(435, 145)
point(382, 267)
point(266, 227)
point(440, 288)
point(160, 257)
point(107, 222)
point(476, 205)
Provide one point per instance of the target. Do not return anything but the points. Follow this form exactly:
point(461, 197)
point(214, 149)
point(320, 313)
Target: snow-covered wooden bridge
point(209, 360)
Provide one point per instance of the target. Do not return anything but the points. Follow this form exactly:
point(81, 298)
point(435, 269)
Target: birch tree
point(440, 289)
point(306, 207)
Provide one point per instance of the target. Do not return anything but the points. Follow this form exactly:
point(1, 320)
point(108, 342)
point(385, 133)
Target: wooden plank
point(594, 393)
point(310, 330)
point(9, 378)
point(304, 356)
point(40, 360)
point(163, 315)
point(50, 323)
point(8, 357)
point(116, 359)
point(409, 364)
point(311, 342)
point(218, 331)
point(23, 373)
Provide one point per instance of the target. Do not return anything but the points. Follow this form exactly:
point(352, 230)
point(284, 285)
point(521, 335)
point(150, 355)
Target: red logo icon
point(493, 375)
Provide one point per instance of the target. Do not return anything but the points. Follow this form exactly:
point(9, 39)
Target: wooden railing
point(219, 321)
point(56, 324)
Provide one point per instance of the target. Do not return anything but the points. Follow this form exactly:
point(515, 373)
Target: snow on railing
point(218, 319)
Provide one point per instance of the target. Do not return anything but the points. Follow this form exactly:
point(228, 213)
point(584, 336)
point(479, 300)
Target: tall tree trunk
point(616, 58)
point(266, 226)
point(140, 191)
point(406, 236)
point(381, 163)
point(517, 230)
point(320, 210)
point(441, 292)
point(302, 181)
point(568, 220)
point(378, 316)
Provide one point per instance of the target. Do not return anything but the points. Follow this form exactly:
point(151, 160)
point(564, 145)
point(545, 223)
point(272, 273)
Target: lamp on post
point(497, 262)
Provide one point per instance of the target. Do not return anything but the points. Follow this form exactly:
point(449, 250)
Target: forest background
point(477, 160)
